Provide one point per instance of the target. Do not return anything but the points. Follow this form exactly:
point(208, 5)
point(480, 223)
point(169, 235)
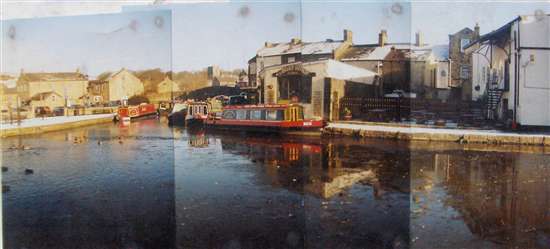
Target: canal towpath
point(424, 133)
point(40, 125)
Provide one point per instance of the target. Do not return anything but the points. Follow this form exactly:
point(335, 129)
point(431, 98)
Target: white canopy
point(342, 71)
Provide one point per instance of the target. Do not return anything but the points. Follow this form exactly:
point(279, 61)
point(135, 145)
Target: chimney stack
point(382, 38)
point(348, 36)
point(295, 41)
point(268, 44)
point(419, 39)
point(476, 30)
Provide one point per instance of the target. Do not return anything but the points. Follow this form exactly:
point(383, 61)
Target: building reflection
point(502, 197)
point(321, 168)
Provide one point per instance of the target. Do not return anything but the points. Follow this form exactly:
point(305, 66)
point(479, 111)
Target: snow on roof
point(374, 53)
point(437, 52)
point(343, 71)
point(324, 47)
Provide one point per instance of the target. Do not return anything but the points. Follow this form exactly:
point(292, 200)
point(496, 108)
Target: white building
point(511, 71)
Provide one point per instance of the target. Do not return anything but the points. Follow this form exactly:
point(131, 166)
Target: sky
point(228, 34)
point(91, 43)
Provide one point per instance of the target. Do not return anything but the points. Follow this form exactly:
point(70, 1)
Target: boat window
point(275, 115)
point(280, 114)
point(256, 114)
point(271, 115)
point(241, 114)
point(229, 114)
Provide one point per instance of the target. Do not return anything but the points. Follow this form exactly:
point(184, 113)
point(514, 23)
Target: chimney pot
point(348, 36)
point(382, 38)
point(419, 39)
point(476, 29)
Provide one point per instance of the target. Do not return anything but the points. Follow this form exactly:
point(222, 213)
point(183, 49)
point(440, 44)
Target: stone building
point(416, 67)
point(461, 78)
point(213, 74)
point(98, 92)
point(168, 86)
point(46, 99)
point(71, 85)
point(8, 98)
point(318, 86)
point(114, 87)
point(388, 67)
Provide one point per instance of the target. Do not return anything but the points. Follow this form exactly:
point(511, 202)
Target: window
point(241, 114)
point(256, 114)
point(295, 86)
point(464, 72)
point(291, 59)
point(463, 44)
point(229, 114)
point(274, 115)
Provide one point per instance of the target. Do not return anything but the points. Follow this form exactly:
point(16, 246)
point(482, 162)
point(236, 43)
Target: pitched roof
point(324, 47)
point(44, 95)
point(52, 76)
point(504, 30)
point(373, 52)
point(469, 30)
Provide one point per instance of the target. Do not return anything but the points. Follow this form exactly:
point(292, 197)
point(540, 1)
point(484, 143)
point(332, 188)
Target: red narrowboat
point(264, 118)
point(132, 112)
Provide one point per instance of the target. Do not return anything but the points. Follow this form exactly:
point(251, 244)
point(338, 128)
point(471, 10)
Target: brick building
point(461, 77)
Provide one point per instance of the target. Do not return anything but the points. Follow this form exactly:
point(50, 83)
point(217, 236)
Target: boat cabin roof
point(264, 106)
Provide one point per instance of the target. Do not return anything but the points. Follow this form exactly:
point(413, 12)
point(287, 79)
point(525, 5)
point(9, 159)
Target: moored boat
point(264, 118)
point(138, 111)
point(189, 113)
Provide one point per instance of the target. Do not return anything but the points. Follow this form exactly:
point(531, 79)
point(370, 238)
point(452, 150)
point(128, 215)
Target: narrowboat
point(138, 111)
point(264, 118)
point(189, 113)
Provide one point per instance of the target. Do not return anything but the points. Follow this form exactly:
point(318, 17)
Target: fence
point(422, 110)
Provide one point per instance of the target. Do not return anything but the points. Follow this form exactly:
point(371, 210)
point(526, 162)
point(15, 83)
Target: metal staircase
point(493, 100)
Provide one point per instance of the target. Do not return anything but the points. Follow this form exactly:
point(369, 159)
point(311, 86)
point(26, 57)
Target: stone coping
point(414, 133)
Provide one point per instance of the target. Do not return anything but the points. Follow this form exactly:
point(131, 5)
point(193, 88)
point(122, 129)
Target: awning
point(342, 71)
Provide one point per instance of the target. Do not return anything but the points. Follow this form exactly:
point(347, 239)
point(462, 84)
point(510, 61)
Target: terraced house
point(71, 86)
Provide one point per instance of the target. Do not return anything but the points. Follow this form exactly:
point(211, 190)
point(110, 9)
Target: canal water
point(149, 186)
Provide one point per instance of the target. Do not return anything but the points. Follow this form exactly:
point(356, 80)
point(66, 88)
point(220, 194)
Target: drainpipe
point(517, 83)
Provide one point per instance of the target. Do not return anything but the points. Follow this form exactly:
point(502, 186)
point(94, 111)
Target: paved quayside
point(414, 133)
point(40, 125)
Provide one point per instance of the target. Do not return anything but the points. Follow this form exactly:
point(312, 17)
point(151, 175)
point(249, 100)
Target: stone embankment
point(41, 125)
point(416, 133)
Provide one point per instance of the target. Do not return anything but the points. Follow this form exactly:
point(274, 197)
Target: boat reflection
point(304, 165)
point(260, 191)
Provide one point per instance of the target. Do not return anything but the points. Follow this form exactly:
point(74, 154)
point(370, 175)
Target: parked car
point(59, 111)
point(43, 111)
point(400, 94)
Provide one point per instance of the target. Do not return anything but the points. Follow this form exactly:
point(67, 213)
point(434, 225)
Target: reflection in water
point(489, 199)
point(91, 189)
point(149, 186)
point(274, 192)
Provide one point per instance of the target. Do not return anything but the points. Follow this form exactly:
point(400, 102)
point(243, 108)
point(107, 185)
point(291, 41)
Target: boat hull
point(267, 126)
point(136, 112)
